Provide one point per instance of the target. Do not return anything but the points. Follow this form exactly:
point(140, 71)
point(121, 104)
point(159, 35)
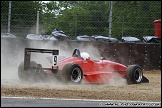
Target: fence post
point(37, 23)
point(110, 19)
point(9, 16)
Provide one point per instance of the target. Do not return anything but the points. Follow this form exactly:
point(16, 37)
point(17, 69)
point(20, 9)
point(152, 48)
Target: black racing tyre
point(134, 74)
point(37, 74)
point(71, 73)
point(22, 74)
point(32, 74)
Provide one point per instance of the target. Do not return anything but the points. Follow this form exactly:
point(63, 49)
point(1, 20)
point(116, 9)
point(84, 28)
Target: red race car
point(77, 68)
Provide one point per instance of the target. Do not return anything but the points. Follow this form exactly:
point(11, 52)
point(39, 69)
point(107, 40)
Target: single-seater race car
point(77, 68)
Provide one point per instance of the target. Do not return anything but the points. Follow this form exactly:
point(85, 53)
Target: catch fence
point(108, 18)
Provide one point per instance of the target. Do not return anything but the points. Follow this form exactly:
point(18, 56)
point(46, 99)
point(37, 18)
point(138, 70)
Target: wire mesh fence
point(107, 18)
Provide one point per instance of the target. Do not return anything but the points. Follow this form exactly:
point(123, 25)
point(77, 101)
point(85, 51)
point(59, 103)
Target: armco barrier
point(148, 56)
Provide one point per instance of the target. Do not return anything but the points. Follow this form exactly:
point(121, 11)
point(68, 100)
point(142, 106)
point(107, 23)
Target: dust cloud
point(11, 59)
point(117, 80)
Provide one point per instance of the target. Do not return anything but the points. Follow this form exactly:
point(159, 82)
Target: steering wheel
point(76, 53)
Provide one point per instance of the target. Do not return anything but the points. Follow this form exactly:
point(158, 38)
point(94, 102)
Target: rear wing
point(28, 51)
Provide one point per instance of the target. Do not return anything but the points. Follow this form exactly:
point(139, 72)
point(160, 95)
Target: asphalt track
point(59, 102)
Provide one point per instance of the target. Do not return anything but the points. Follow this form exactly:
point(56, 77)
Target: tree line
point(83, 17)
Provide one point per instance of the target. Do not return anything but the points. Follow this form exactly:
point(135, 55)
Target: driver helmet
point(85, 55)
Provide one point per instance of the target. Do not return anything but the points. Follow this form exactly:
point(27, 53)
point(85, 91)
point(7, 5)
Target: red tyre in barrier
point(157, 28)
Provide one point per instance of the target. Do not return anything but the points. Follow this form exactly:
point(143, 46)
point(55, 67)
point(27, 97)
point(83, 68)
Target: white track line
point(78, 99)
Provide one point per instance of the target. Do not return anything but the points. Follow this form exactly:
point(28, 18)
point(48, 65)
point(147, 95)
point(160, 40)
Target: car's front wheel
point(134, 74)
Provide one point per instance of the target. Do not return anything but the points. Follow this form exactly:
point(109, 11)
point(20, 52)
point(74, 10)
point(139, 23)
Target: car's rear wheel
point(134, 74)
point(22, 74)
point(34, 74)
point(37, 74)
point(71, 73)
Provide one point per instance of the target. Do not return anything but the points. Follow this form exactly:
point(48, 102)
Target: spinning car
point(77, 68)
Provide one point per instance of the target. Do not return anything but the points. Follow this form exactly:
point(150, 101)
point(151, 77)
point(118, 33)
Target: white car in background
point(85, 38)
point(106, 39)
point(151, 39)
point(60, 35)
point(7, 35)
point(40, 37)
point(55, 35)
point(130, 39)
